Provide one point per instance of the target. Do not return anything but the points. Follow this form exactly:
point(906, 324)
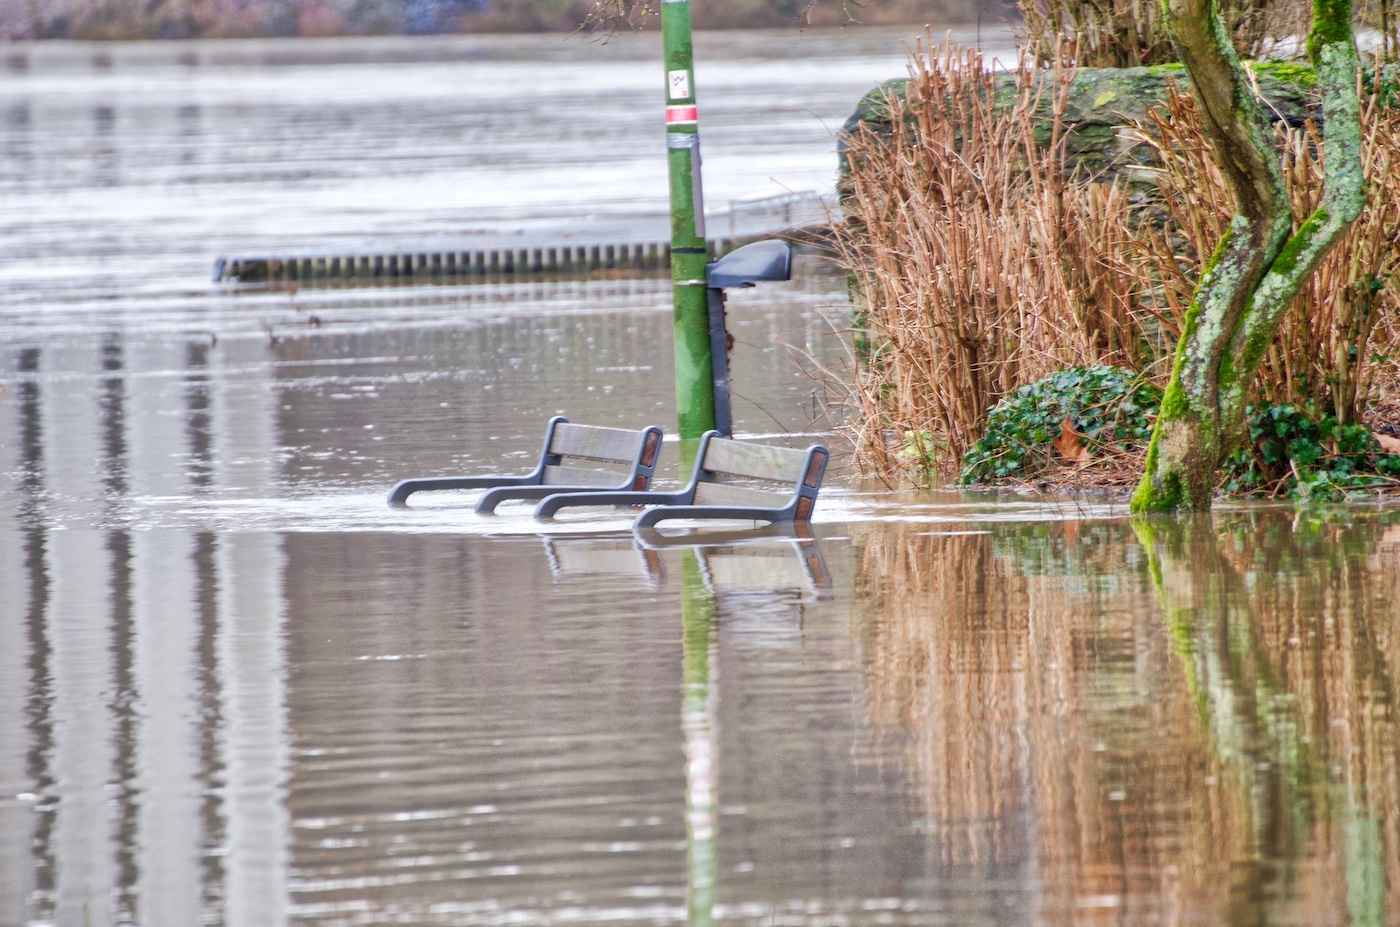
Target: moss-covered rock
point(1103, 102)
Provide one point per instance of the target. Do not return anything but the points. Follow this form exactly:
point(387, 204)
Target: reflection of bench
point(591, 557)
point(632, 453)
point(753, 567)
point(713, 491)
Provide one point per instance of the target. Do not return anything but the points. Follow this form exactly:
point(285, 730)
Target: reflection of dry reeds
point(1293, 633)
point(948, 628)
point(1129, 739)
point(1029, 736)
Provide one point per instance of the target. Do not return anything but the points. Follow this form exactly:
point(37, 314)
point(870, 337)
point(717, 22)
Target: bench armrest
point(405, 488)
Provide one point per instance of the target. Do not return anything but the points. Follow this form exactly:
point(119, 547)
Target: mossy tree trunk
point(1262, 262)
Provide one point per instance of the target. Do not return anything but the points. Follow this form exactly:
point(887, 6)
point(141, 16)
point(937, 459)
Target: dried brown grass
point(980, 263)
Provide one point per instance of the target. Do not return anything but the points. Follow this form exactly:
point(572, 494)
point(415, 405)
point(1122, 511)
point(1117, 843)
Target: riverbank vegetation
point(166, 19)
point(984, 262)
point(1130, 33)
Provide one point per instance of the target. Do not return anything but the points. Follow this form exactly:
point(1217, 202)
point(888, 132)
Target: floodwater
point(237, 688)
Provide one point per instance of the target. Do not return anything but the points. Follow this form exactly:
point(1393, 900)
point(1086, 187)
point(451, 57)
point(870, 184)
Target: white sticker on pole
point(679, 84)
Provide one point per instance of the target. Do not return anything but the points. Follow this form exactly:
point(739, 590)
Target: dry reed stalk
point(980, 264)
point(1115, 34)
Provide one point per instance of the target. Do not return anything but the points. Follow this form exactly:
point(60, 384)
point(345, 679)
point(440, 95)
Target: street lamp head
point(762, 260)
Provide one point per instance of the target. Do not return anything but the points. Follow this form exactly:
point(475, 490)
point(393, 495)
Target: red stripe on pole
point(682, 115)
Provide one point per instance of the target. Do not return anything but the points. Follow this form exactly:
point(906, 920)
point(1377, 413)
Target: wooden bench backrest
point(784, 466)
point(601, 445)
point(592, 442)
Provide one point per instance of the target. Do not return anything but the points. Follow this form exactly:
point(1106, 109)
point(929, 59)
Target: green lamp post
point(695, 406)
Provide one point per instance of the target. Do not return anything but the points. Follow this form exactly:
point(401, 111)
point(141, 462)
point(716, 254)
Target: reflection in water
point(136, 785)
point(102, 148)
point(699, 716)
point(711, 595)
point(1288, 667)
point(772, 560)
point(466, 754)
point(18, 141)
point(344, 722)
point(200, 466)
point(190, 133)
point(1061, 723)
point(133, 772)
point(955, 663)
point(1115, 724)
point(582, 558)
point(174, 744)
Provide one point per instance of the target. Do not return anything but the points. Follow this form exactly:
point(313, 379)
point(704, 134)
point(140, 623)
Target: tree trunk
point(1259, 266)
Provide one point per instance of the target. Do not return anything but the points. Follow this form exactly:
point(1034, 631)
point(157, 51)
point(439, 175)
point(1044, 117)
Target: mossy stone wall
point(1103, 102)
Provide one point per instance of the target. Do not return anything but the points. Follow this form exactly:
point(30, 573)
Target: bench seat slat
point(593, 442)
point(579, 476)
point(731, 495)
point(780, 464)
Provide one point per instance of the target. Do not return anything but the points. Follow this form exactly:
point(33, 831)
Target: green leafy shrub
point(1294, 452)
point(1108, 408)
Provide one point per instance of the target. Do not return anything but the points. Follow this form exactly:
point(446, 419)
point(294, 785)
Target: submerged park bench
point(632, 455)
point(781, 486)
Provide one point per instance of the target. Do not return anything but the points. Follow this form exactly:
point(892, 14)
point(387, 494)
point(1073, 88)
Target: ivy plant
point(1107, 408)
point(1296, 452)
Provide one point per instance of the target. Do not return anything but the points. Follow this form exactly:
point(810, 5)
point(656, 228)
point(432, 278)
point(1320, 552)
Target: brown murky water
point(236, 688)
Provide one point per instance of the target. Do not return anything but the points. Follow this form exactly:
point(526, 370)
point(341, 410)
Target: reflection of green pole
point(695, 403)
point(699, 614)
point(1365, 848)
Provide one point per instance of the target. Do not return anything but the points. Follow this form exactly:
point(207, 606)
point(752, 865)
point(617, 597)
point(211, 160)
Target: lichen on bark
point(1261, 265)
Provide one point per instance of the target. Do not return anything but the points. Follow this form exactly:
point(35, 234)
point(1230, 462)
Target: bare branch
point(611, 17)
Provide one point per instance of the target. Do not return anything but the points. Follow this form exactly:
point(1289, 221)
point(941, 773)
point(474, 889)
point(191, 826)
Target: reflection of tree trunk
point(1269, 707)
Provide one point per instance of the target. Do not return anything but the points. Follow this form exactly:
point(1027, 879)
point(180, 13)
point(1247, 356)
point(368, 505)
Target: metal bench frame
point(636, 450)
point(707, 496)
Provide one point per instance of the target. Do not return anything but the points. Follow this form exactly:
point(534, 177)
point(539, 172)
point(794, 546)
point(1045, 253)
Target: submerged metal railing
point(429, 259)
